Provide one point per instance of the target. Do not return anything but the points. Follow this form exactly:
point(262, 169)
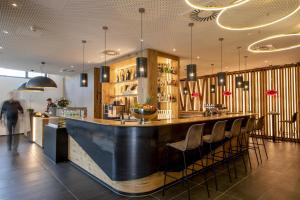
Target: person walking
point(9, 114)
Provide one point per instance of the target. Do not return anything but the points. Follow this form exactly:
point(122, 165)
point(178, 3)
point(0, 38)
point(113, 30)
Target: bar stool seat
point(207, 139)
point(178, 145)
point(228, 134)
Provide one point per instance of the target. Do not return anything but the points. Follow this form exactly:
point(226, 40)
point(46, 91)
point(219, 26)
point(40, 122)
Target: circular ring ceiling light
point(259, 47)
point(215, 5)
point(264, 12)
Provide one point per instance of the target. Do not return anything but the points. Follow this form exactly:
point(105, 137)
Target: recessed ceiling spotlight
point(5, 31)
point(1, 47)
point(14, 5)
point(173, 49)
point(72, 66)
point(198, 57)
point(119, 49)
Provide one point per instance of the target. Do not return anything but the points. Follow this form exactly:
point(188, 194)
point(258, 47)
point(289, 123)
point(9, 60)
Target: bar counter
point(130, 158)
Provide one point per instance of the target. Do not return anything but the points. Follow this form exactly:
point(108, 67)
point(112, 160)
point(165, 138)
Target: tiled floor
point(30, 175)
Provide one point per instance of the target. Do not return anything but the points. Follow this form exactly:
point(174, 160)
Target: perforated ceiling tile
point(257, 13)
point(60, 25)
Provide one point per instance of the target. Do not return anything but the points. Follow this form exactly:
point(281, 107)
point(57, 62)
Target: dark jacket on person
point(10, 109)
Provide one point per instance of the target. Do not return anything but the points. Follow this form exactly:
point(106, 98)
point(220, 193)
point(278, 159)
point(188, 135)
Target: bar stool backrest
point(236, 127)
point(218, 131)
point(250, 124)
point(260, 123)
point(294, 117)
point(193, 137)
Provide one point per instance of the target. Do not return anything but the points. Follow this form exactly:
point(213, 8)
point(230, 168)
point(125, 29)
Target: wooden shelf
point(122, 82)
point(124, 95)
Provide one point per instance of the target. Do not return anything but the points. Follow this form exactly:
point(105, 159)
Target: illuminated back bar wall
point(283, 79)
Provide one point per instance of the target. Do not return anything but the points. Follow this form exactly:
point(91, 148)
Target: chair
point(216, 138)
point(291, 124)
point(193, 141)
point(259, 129)
point(233, 135)
point(244, 140)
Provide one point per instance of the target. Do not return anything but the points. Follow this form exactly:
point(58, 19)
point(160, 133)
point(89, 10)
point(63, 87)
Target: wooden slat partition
point(285, 79)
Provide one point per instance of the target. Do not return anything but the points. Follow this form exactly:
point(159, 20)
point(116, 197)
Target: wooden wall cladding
point(284, 79)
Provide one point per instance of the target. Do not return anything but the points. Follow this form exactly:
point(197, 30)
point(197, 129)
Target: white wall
point(37, 101)
point(81, 96)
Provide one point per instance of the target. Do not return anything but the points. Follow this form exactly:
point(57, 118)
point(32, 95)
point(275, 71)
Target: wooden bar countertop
point(199, 119)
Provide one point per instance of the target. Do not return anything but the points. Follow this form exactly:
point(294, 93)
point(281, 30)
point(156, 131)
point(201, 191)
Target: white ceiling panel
point(60, 25)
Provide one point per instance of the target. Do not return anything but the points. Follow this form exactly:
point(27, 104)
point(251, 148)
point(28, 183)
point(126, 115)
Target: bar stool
point(232, 135)
point(216, 137)
point(291, 123)
point(193, 141)
point(245, 137)
point(259, 130)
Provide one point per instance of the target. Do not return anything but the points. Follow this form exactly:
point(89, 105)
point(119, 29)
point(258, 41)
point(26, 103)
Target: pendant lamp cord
point(239, 53)
point(246, 57)
point(83, 54)
point(105, 46)
point(141, 39)
point(221, 41)
point(191, 25)
point(212, 69)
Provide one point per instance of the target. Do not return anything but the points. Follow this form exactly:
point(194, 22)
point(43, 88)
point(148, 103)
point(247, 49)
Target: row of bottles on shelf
point(165, 97)
point(164, 114)
point(166, 68)
point(126, 74)
point(163, 83)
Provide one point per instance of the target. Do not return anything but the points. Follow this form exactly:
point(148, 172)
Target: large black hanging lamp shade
point(239, 81)
point(83, 75)
point(41, 82)
point(105, 70)
point(221, 75)
point(23, 88)
point(141, 62)
point(191, 69)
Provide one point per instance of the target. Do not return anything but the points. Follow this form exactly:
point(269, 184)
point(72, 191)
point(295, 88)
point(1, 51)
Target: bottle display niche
point(167, 88)
point(118, 98)
point(122, 91)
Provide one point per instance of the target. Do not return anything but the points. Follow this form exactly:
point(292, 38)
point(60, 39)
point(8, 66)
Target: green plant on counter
point(30, 110)
point(63, 102)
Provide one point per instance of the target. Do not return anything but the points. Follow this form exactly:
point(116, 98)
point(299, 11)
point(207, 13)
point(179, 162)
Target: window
point(12, 72)
point(34, 74)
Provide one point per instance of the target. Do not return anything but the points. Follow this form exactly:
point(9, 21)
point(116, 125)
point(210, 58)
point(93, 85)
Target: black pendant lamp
point(246, 83)
point(83, 75)
point(239, 81)
point(212, 86)
point(191, 69)
point(141, 62)
point(221, 75)
point(185, 91)
point(23, 88)
point(41, 81)
point(104, 70)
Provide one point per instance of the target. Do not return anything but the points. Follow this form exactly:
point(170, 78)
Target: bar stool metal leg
point(186, 175)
